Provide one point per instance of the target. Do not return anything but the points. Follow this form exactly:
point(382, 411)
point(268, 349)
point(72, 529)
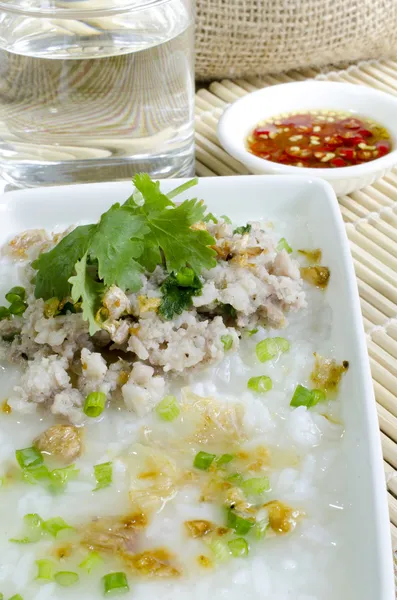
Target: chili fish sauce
point(319, 140)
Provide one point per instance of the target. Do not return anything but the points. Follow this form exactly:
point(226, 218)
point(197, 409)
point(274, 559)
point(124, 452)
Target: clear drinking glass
point(95, 90)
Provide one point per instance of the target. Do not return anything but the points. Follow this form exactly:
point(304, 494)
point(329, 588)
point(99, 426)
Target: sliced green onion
point(227, 341)
point(182, 188)
point(16, 597)
point(4, 312)
point(18, 307)
point(115, 583)
point(203, 460)
point(302, 397)
point(55, 525)
point(94, 404)
point(260, 384)
point(235, 478)
point(33, 524)
point(255, 486)
point(284, 245)
point(45, 570)
point(103, 475)
point(185, 277)
point(168, 408)
point(271, 347)
point(17, 291)
point(60, 477)
point(210, 217)
point(226, 219)
point(223, 459)
point(238, 547)
point(318, 396)
point(91, 561)
point(243, 229)
point(29, 457)
point(240, 525)
point(252, 331)
point(221, 550)
point(35, 474)
point(66, 578)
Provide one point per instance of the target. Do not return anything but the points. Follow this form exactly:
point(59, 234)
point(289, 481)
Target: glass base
point(28, 174)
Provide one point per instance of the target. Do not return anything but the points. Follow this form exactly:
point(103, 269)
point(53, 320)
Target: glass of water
point(95, 90)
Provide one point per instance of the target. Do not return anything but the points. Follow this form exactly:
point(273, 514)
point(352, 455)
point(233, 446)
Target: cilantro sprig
point(146, 231)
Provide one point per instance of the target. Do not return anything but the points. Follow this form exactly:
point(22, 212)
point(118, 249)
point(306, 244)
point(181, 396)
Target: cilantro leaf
point(177, 298)
point(170, 230)
point(150, 190)
point(243, 229)
point(56, 266)
point(116, 243)
point(84, 287)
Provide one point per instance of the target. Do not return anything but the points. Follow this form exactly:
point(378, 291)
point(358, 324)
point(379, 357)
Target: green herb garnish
point(148, 230)
point(176, 296)
point(243, 229)
point(260, 384)
point(103, 475)
point(168, 408)
point(203, 460)
point(115, 583)
point(305, 397)
point(283, 245)
point(271, 348)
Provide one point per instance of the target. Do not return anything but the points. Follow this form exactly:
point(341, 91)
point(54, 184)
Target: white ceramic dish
point(240, 118)
point(367, 553)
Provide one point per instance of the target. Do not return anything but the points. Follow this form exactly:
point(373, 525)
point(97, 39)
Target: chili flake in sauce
point(319, 139)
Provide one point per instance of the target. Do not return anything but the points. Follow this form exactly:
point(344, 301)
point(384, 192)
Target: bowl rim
point(237, 147)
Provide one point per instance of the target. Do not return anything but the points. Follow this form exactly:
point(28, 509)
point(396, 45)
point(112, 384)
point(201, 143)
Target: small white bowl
point(242, 116)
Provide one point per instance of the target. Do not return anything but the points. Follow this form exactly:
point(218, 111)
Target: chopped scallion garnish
point(45, 570)
point(94, 404)
point(305, 397)
point(103, 475)
point(284, 245)
point(203, 460)
point(260, 384)
point(255, 486)
point(252, 331)
point(66, 578)
point(115, 583)
point(91, 561)
point(227, 341)
point(55, 526)
point(185, 277)
point(168, 408)
point(33, 524)
point(35, 474)
point(182, 188)
point(240, 525)
point(60, 477)
point(16, 293)
point(226, 219)
point(221, 550)
point(223, 459)
point(29, 457)
point(4, 312)
point(238, 547)
point(271, 348)
point(18, 307)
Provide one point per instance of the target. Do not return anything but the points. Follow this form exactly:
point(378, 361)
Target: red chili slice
point(338, 162)
point(265, 130)
point(347, 153)
point(365, 133)
point(298, 152)
point(383, 147)
point(334, 140)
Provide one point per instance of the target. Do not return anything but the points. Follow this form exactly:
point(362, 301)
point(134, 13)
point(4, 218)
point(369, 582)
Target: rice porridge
point(170, 423)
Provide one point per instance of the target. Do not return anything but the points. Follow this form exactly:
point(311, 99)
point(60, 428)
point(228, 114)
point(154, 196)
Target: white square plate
point(367, 558)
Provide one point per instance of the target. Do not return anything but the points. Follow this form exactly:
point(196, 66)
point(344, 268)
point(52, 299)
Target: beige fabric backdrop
point(237, 38)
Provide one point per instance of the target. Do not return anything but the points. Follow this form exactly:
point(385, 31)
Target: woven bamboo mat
point(371, 224)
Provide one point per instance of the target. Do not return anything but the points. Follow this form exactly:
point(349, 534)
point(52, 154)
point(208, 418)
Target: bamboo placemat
point(371, 224)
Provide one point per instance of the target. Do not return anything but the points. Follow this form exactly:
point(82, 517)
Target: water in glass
point(95, 90)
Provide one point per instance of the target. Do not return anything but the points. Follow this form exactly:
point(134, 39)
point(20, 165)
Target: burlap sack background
point(237, 38)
